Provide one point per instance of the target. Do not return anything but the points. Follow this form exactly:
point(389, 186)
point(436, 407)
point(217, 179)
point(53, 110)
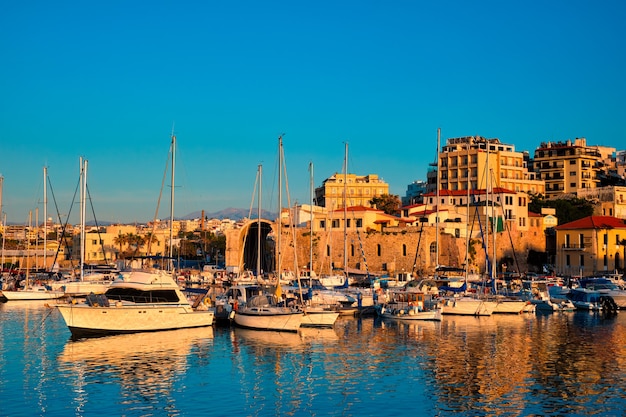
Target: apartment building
point(568, 166)
point(590, 245)
point(358, 190)
point(480, 163)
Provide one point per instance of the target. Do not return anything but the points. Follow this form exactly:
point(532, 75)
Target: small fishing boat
point(409, 306)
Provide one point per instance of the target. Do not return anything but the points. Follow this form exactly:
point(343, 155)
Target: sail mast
point(345, 212)
point(258, 223)
point(311, 221)
point(437, 203)
point(45, 217)
point(83, 205)
point(172, 197)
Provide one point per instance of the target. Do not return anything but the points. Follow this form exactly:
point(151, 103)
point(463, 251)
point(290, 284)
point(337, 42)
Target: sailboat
point(460, 303)
point(139, 301)
point(83, 285)
point(267, 311)
point(316, 314)
point(32, 290)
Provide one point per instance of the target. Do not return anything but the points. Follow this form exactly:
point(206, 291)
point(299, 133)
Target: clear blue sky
point(107, 80)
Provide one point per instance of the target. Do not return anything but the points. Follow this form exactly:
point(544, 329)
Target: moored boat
point(140, 301)
point(264, 312)
point(409, 306)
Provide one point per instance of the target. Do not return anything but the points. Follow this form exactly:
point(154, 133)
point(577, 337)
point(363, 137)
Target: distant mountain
point(231, 213)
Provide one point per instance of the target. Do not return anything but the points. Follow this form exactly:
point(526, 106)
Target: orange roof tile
point(594, 222)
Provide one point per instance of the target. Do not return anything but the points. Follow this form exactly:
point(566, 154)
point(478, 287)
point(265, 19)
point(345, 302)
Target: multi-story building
point(609, 201)
point(478, 163)
point(414, 193)
point(590, 245)
point(566, 167)
point(358, 189)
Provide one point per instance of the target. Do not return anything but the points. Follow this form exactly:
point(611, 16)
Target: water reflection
point(550, 365)
point(143, 366)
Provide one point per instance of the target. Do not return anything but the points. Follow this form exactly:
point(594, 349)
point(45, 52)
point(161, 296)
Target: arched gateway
point(247, 247)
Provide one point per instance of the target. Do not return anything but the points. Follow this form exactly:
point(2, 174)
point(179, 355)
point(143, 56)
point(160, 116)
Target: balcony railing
point(573, 246)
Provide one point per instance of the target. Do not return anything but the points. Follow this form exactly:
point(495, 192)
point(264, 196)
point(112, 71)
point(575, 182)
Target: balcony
point(573, 247)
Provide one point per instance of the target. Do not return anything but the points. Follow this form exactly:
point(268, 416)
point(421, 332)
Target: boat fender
point(382, 310)
point(236, 306)
point(207, 301)
point(231, 315)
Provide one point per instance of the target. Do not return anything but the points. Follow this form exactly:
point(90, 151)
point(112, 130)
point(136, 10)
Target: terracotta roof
point(533, 214)
point(594, 222)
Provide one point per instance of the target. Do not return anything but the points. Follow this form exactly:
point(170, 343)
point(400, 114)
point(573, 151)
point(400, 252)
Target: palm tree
point(121, 240)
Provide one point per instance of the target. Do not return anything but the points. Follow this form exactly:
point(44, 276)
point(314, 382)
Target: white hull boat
point(467, 306)
point(140, 302)
point(319, 317)
point(37, 292)
point(263, 313)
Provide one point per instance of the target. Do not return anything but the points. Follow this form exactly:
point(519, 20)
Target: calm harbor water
point(565, 364)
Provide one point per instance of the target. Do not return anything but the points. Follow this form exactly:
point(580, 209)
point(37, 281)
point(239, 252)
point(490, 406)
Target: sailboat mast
point(311, 221)
point(45, 217)
point(83, 205)
point(487, 267)
point(467, 222)
point(345, 212)
point(437, 202)
point(280, 204)
point(258, 223)
point(171, 251)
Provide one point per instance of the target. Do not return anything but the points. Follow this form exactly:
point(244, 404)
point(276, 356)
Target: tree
point(567, 209)
point(389, 203)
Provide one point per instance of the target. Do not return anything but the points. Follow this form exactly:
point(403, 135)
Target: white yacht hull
point(27, 295)
point(513, 307)
point(277, 318)
point(466, 306)
point(411, 315)
point(85, 320)
point(314, 317)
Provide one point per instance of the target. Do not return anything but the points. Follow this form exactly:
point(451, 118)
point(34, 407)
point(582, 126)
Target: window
point(567, 262)
point(433, 247)
point(359, 222)
point(348, 223)
point(379, 249)
point(327, 250)
point(581, 240)
point(335, 224)
point(351, 250)
point(566, 241)
point(403, 249)
point(322, 224)
point(606, 238)
point(582, 260)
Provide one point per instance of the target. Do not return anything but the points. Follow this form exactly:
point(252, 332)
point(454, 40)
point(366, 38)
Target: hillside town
point(474, 206)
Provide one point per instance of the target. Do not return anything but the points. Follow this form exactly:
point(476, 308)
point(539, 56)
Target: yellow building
point(610, 201)
point(489, 163)
point(590, 245)
point(566, 167)
point(358, 189)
